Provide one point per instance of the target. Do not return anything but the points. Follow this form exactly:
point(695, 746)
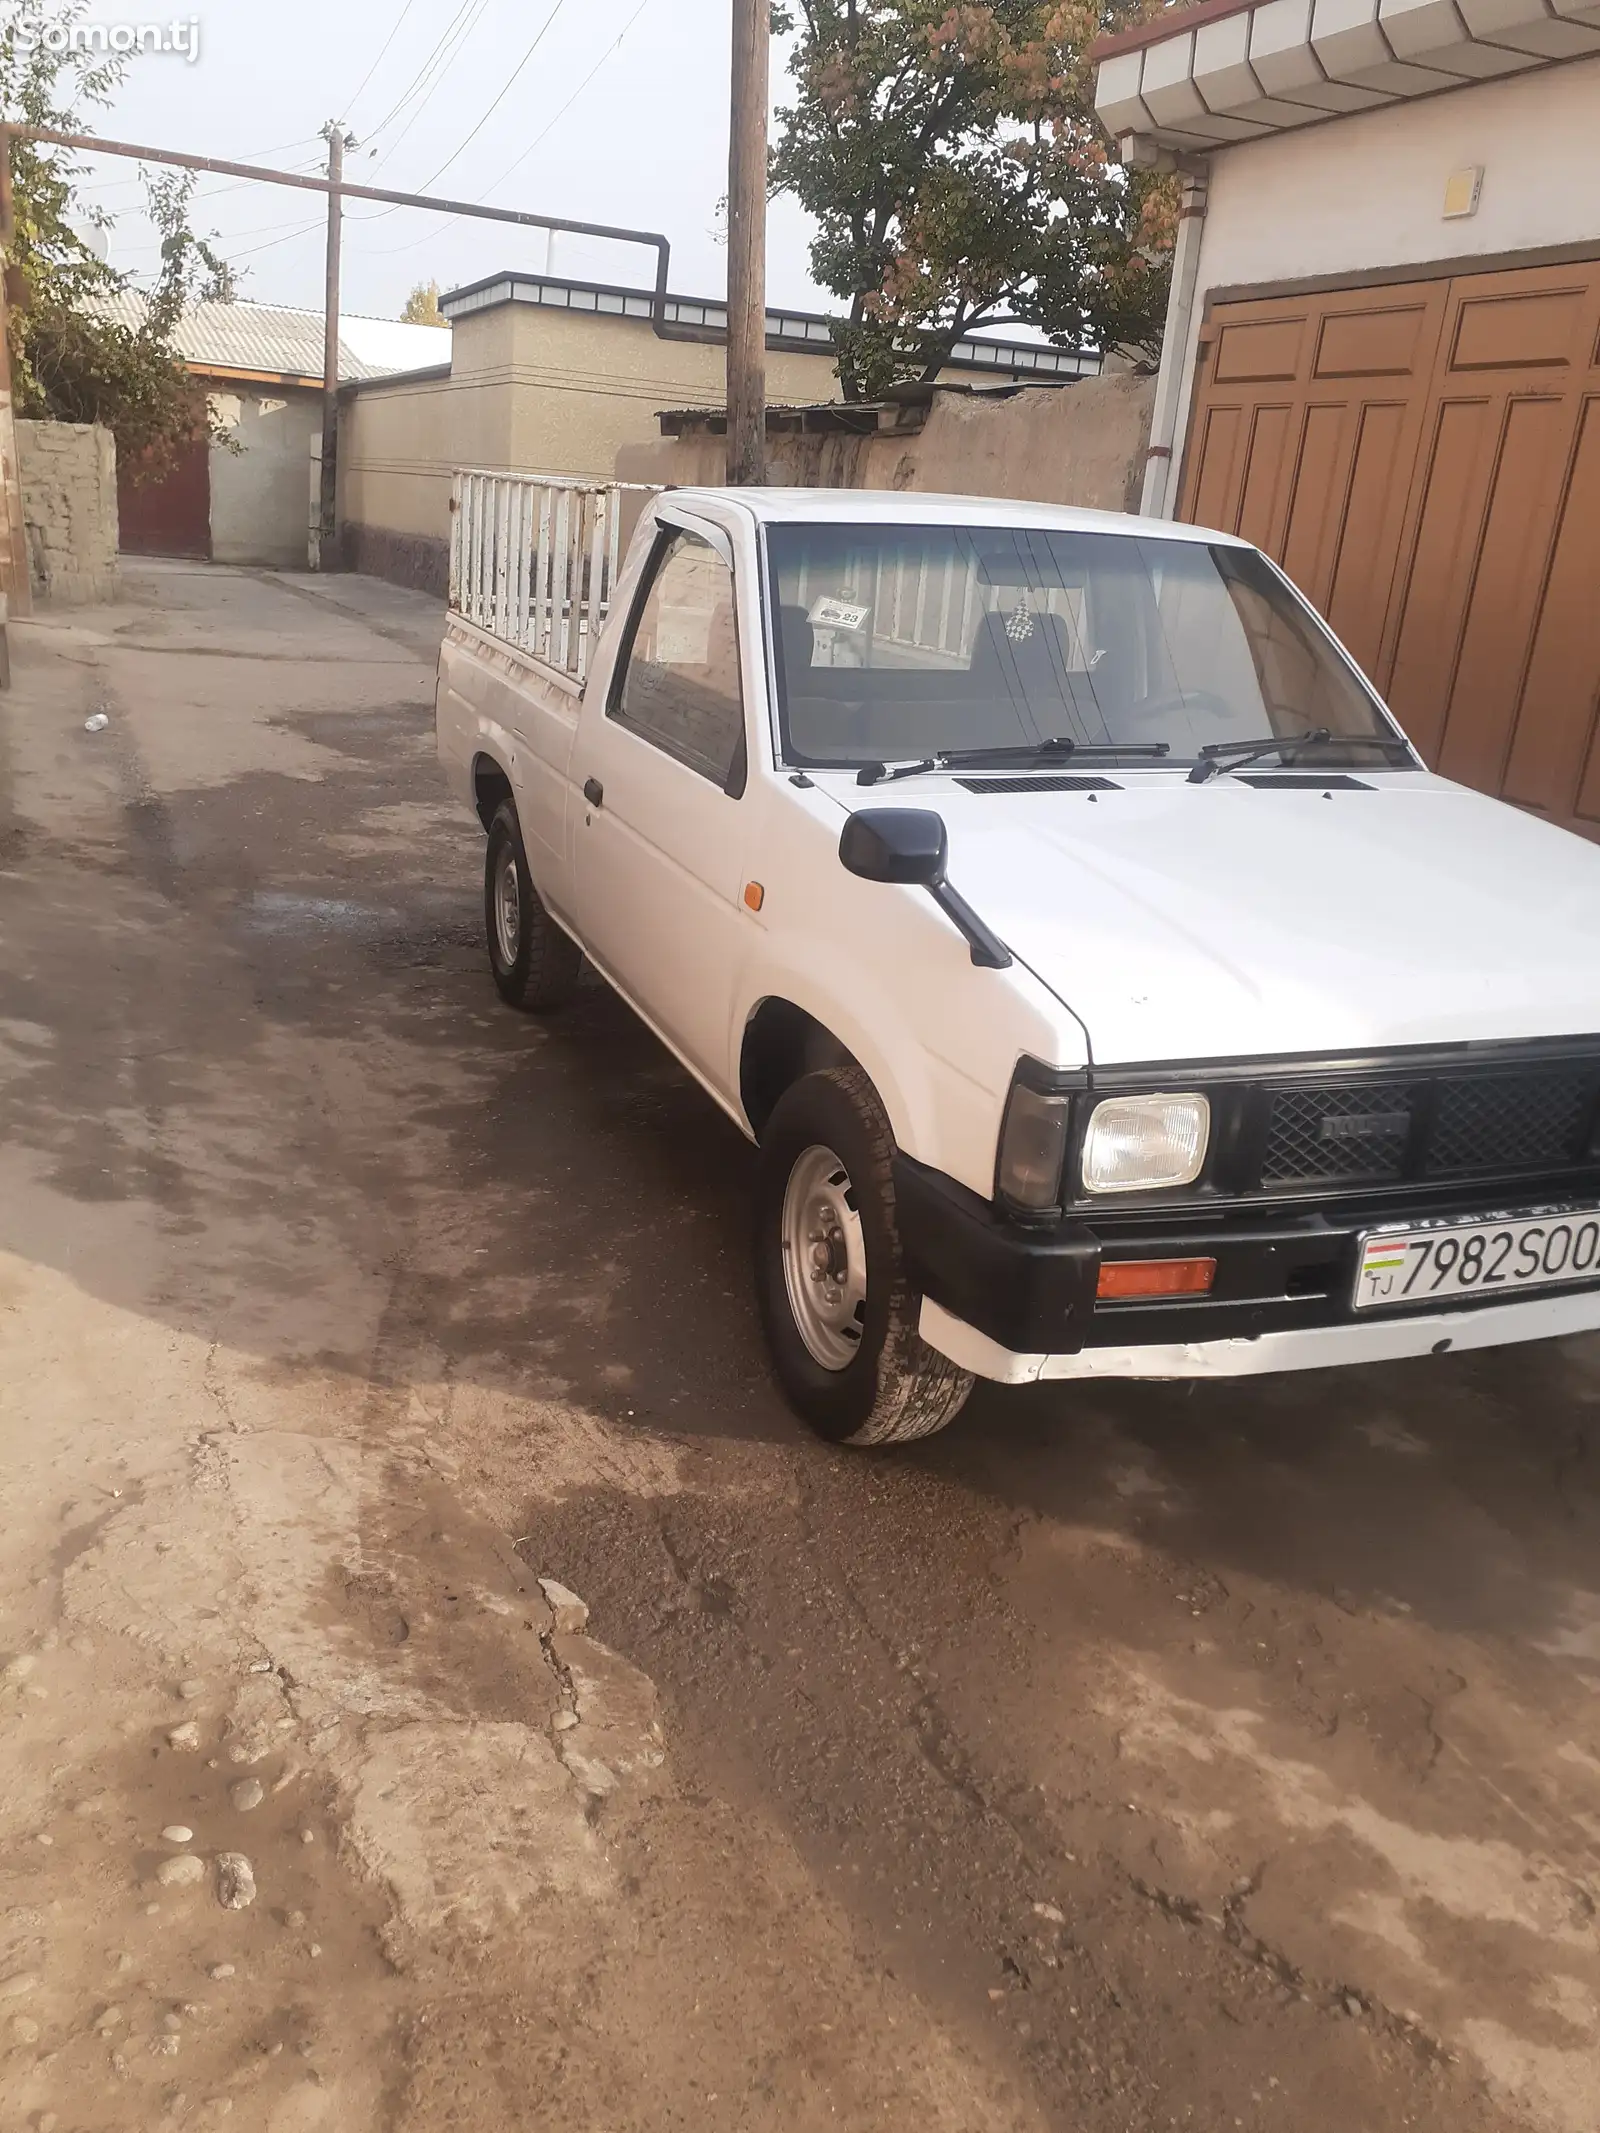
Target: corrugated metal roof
point(288, 341)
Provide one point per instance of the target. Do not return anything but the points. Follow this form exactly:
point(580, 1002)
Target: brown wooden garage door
point(1424, 460)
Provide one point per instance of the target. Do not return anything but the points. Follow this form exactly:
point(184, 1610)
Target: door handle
point(593, 791)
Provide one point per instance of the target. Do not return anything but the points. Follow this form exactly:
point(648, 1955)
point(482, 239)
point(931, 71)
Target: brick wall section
point(69, 507)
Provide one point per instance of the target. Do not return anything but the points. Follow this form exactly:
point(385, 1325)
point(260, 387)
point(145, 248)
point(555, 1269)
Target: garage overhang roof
point(1229, 70)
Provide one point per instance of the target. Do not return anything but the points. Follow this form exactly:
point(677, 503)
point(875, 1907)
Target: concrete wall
point(1367, 191)
point(530, 390)
point(1082, 443)
point(69, 507)
point(581, 386)
point(261, 494)
point(399, 443)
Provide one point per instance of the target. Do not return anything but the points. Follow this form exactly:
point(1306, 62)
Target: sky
point(619, 115)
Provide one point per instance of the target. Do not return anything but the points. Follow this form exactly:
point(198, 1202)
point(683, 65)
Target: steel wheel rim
point(825, 1258)
point(508, 908)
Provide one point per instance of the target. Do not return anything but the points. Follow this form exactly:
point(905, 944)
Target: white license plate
point(1492, 1256)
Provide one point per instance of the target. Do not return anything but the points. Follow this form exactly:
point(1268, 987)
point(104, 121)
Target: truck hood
point(1226, 920)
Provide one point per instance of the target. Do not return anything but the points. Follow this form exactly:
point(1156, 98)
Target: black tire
point(543, 971)
point(893, 1387)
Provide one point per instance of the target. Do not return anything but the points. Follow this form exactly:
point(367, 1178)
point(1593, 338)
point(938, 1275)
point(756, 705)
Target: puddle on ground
point(277, 911)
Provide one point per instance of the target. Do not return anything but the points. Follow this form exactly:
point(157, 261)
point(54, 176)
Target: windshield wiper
point(886, 773)
point(1234, 755)
point(1024, 755)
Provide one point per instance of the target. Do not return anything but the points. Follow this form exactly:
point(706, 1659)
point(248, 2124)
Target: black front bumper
point(1280, 1268)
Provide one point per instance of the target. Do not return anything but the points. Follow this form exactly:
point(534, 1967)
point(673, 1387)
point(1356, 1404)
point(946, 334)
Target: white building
point(1383, 349)
point(260, 368)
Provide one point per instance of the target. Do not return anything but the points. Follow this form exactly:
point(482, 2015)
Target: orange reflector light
point(1157, 1277)
point(754, 895)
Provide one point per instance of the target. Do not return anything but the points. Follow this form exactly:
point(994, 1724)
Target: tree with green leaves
point(949, 153)
point(71, 361)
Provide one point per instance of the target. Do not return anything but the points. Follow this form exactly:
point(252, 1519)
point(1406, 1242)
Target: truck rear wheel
point(840, 1316)
point(535, 964)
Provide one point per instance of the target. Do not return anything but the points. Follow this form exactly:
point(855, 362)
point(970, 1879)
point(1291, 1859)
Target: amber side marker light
point(1156, 1277)
point(754, 895)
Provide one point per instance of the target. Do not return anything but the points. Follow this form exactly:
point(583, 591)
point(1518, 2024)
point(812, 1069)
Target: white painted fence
point(534, 558)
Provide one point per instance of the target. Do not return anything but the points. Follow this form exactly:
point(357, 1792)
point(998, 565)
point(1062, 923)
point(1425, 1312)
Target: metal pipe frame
point(93, 144)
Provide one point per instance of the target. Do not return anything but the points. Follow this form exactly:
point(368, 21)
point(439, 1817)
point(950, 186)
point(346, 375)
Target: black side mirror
point(896, 844)
point(910, 845)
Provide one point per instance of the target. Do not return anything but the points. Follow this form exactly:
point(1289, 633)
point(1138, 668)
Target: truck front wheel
point(840, 1316)
point(535, 964)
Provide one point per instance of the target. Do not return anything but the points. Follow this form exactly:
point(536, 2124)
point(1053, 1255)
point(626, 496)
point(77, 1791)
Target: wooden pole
point(747, 245)
point(328, 505)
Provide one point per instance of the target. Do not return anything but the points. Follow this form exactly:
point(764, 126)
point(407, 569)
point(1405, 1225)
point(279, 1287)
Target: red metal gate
point(172, 514)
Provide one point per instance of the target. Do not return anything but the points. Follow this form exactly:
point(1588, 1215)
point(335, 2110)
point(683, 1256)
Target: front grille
point(1356, 1133)
point(1452, 1126)
point(1509, 1121)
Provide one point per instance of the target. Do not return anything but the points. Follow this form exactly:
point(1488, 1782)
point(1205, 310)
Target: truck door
point(659, 771)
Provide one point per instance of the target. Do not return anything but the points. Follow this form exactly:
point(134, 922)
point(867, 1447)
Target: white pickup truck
point(1108, 985)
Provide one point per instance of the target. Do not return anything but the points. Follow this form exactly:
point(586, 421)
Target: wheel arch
point(491, 785)
point(793, 1031)
point(782, 1041)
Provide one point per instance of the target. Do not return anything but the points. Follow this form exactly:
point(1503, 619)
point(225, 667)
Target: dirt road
point(1130, 1758)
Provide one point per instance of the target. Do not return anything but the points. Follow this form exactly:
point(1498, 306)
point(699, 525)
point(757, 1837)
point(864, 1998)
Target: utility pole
point(747, 245)
point(328, 503)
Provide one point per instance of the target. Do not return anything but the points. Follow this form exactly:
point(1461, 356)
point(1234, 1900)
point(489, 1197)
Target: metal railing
point(534, 559)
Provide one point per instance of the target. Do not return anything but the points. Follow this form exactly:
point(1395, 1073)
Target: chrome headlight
point(1033, 1149)
point(1145, 1143)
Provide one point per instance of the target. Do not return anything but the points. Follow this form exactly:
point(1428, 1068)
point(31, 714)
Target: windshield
point(899, 642)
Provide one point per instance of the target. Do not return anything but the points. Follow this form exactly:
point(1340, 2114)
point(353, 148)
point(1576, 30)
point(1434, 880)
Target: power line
point(291, 232)
point(609, 53)
point(409, 90)
point(455, 52)
point(500, 99)
point(539, 38)
point(382, 49)
point(332, 185)
point(272, 243)
point(453, 30)
point(302, 229)
point(385, 251)
point(260, 229)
